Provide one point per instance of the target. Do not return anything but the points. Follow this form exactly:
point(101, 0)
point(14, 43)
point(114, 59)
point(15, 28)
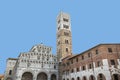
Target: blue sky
point(24, 23)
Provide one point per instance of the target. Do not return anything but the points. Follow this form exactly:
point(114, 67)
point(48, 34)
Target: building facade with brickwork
point(101, 62)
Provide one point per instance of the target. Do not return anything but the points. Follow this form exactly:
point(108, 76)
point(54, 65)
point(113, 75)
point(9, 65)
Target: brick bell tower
point(64, 36)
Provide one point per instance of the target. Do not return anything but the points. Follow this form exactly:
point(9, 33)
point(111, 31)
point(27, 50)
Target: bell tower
point(64, 36)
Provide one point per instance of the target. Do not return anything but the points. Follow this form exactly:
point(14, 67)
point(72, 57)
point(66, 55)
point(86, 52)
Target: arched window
point(54, 66)
point(53, 77)
point(78, 78)
point(10, 72)
point(66, 49)
point(91, 77)
point(66, 42)
point(116, 77)
point(84, 78)
point(72, 78)
point(101, 77)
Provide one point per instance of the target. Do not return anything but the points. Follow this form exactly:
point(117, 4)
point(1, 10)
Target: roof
point(12, 59)
point(1, 76)
point(94, 47)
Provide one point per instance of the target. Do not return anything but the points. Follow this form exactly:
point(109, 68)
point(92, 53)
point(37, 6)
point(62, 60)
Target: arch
point(84, 78)
point(92, 77)
point(72, 78)
point(116, 77)
point(53, 77)
point(78, 78)
point(67, 79)
point(42, 76)
point(101, 77)
point(9, 78)
point(27, 76)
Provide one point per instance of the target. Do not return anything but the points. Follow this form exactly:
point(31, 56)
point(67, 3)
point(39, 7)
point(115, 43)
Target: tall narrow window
point(66, 49)
point(83, 68)
point(97, 52)
point(112, 62)
point(72, 61)
point(58, 27)
point(72, 71)
point(100, 75)
point(10, 72)
point(90, 66)
point(77, 70)
point(58, 21)
point(99, 64)
point(82, 57)
point(58, 42)
point(54, 67)
point(89, 54)
point(76, 59)
point(66, 42)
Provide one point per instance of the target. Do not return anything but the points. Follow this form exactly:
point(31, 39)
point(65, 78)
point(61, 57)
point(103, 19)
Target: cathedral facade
point(37, 64)
point(101, 62)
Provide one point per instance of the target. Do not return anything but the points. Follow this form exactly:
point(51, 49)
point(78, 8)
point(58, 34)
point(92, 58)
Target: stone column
point(34, 78)
point(49, 76)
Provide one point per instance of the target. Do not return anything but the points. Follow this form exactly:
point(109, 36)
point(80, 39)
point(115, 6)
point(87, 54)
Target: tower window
point(58, 27)
point(66, 42)
point(66, 49)
point(66, 33)
point(66, 20)
point(58, 42)
point(58, 21)
point(66, 26)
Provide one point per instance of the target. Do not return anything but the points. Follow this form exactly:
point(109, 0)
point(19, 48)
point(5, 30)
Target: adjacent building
point(101, 62)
